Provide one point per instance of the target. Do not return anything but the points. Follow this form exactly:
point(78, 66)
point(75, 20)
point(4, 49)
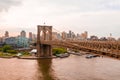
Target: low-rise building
point(10, 41)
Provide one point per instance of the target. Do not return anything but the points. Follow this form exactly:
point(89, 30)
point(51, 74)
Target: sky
point(98, 17)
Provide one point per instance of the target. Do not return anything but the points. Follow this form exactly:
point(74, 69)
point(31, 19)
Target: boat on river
point(92, 56)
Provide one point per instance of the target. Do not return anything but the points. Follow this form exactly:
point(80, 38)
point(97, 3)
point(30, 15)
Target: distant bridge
point(44, 44)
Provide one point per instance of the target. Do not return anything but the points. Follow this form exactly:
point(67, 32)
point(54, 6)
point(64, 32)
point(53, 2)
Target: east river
point(71, 68)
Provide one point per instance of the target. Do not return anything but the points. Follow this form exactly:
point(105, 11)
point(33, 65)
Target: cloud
point(98, 17)
point(81, 5)
point(57, 7)
point(6, 4)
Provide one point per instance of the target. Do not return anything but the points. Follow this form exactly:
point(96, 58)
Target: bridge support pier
point(44, 51)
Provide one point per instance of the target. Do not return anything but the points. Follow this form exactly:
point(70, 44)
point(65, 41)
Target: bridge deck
point(104, 47)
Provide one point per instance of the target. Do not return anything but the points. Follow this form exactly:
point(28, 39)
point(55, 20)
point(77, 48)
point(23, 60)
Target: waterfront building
point(22, 42)
point(10, 41)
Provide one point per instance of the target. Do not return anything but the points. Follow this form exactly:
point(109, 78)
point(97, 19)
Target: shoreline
point(28, 57)
point(36, 58)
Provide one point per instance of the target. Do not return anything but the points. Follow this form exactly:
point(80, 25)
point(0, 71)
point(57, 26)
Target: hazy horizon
point(98, 17)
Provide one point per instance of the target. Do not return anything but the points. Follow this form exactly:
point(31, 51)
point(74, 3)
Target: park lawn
point(2, 54)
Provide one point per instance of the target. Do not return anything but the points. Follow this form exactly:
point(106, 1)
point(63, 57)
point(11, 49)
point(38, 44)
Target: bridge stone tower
point(44, 33)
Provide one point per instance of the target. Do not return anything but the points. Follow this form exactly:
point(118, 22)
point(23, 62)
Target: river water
point(71, 68)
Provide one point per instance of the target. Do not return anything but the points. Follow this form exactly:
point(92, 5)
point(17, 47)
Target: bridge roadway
point(110, 48)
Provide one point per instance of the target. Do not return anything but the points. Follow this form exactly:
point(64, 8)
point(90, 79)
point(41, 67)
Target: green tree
point(12, 51)
point(6, 47)
point(58, 51)
point(0, 49)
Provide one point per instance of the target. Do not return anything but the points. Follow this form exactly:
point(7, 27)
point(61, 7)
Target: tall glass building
point(22, 42)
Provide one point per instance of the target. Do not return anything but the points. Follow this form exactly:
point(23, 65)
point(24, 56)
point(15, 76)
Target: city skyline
point(100, 18)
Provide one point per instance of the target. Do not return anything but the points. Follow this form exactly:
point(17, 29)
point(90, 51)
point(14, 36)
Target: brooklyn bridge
point(45, 43)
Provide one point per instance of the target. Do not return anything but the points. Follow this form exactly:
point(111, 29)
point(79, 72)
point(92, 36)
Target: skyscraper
point(64, 35)
point(23, 33)
point(30, 35)
point(6, 34)
point(70, 34)
point(86, 34)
